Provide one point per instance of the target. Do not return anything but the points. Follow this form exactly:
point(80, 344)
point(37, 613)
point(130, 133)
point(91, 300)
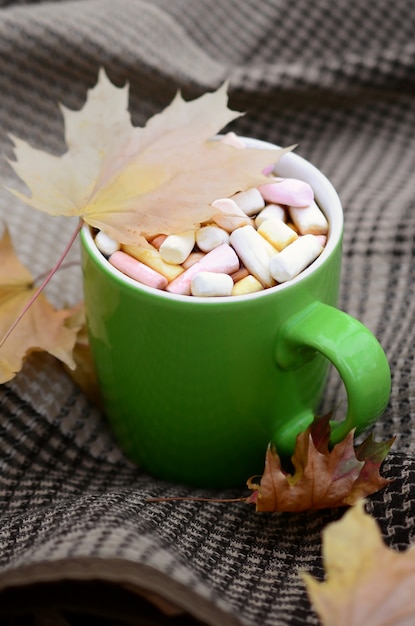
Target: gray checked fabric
point(77, 536)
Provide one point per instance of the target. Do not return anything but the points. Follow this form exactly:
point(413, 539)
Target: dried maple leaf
point(366, 582)
point(131, 181)
point(41, 328)
point(322, 478)
point(84, 373)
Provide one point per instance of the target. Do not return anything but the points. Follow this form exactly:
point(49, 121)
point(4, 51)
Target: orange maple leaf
point(366, 582)
point(41, 328)
point(322, 478)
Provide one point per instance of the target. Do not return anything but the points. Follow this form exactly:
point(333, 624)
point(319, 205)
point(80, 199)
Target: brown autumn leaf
point(366, 582)
point(133, 182)
point(84, 374)
point(41, 328)
point(323, 477)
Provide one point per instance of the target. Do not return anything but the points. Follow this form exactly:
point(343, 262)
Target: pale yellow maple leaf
point(42, 327)
point(132, 181)
point(367, 583)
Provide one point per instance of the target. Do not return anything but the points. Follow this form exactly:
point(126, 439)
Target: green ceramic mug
point(195, 388)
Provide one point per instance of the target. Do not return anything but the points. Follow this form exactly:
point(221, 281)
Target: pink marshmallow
point(322, 239)
point(137, 270)
point(288, 191)
point(267, 171)
point(157, 241)
point(222, 259)
point(194, 257)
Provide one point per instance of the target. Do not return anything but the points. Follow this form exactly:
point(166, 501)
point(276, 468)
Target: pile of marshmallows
point(259, 238)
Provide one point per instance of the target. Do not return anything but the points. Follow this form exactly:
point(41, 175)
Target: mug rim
point(291, 165)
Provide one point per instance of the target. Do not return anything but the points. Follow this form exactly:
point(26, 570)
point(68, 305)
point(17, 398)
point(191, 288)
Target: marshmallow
point(211, 236)
point(295, 258)
point(222, 259)
point(193, 258)
point(176, 248)
point(288, 191)
point(239, 274)
point(248, 284)
point(271, 211)
point(152, 257)
point(250, 201)
point(254, 252)
point(230, 216)
point(137, 270)
point(277, 233)
point(211, 284)
point(157, 241)
point(106, 244)
point(309, 220)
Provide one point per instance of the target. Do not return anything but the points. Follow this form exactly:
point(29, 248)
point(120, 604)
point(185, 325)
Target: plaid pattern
point(336, 78)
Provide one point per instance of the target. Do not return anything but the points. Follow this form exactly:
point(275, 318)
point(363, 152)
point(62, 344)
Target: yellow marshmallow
point(246, 285)
point(152, 258)
point(277, 233)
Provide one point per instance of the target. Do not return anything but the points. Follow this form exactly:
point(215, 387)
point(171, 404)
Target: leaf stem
point(63, 266)
point(43, 284)
point(190, 499)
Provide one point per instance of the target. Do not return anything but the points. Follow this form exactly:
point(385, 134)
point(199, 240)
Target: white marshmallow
point(210, 237)
point(271, 211)
point(309, 220)
point(230, 216)
point(106, 244)
point(176, 248)
point(211, 284)
point(250, 201)
point(254, 252)
point(295, 258)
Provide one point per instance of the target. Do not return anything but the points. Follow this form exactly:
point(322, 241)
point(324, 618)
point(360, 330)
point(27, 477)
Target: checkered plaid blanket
point(336, 78)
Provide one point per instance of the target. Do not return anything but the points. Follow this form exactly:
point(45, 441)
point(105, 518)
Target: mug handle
point(356, 354)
